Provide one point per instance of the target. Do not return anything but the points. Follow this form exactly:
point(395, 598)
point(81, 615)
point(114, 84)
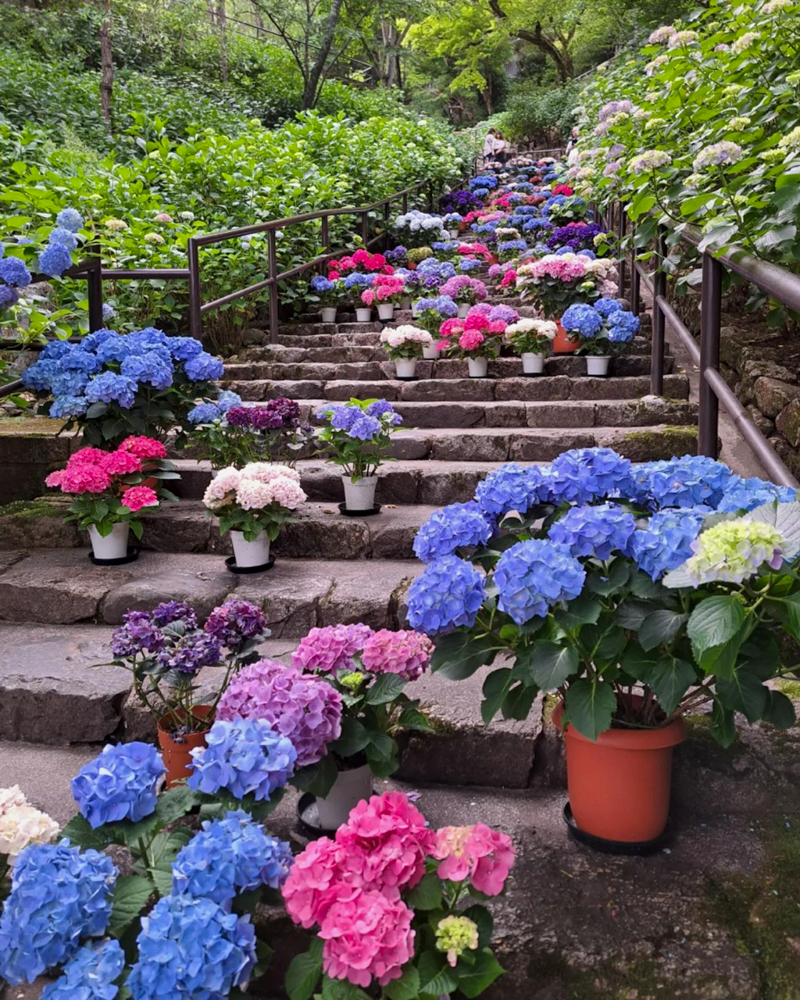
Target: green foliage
point(543, 115)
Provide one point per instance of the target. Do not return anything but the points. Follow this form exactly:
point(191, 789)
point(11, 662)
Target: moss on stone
point(763, 912)
point(39, 507)
point(639, 979)
point(790, 688)
point(657, 444)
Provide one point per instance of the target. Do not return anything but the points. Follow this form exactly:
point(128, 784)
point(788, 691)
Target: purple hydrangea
point(447, 595)
point(120, 783)
point(136, 636)
point(242, 757)
point(189, 653)
point(300, 706)
point(330, 649)
point(534, 575)
point(594, 531)
point(459, 525)
point(174, 611)
point(234, 622)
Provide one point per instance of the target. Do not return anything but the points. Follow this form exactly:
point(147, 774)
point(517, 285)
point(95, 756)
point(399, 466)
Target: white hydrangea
point(744, 42)
point(21, 824)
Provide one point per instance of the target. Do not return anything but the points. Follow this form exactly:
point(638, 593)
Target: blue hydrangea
point(229, 856)
point(594, 531)
point(582, 319)
point(442, 305)
point(191, 949)
point(588, 253)
point(511, 487)
point(585, 474)
point(91, 975)
point(534, 575)
point(183, 348)
point(382, 408)
point(153, 368)
point(243, 757)
point(149, 337)
point(120, 783)
point(203, 368)
point(622, 326)
point(54, 260)
point(666, 542)
point(321, 284)
point(64, 407)
point(13, 272)
point(204, 413)
point(358, 281)
point(747, 494)
point(8, 295)
point(460, 525)
point(108, 387)
point(59, 895)
point(227, 399)
point(447, 595)
point(605, 307)
point(63, 238)
point(468, 264)
point(684, 482)
point(113, 348)
point(70, 218)
point(109, 312)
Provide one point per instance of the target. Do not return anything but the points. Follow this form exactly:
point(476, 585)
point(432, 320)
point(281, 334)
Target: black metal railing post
point(272, 247)
point(636, 278)
point(195, 290)
point(623, 218)
point(365, 227)
point(405, 203)
point(659, 291)
point(710, 322)
point(94, 291)
point(387, 223)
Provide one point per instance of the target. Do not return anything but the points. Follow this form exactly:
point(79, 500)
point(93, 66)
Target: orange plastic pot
point(619, 786)
point(176, 752)
point(563, 343)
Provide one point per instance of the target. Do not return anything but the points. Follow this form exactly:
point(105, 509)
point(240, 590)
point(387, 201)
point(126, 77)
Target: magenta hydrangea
point(331, 649)
point(405, 653)
point(299, 706)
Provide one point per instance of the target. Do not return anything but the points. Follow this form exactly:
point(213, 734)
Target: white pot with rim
point(532, 364)
point(328, 314)
point(363, 315)
point(453, 234)
point(429, 352)
point(463, 309)
point(350, 788)
point(478, 367)
point(386, 311)
point(405, 367)
point(597, 366)
point(250, 554)
point(360, 495)
point(113, 546)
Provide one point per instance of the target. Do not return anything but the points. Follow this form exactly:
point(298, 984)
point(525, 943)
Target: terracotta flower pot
point(563, 343)
point(619, 786)
point(177, 751)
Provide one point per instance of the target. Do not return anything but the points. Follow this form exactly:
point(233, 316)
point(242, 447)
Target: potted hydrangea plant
point(637, 593)
point(253, 504)
point(405, 345)
point(454, 222)
point(353, 285)
point(387, 291)
point(532, 340)
point(464, 290)
point(430, 313)
point(109, 490)
point(477, 338)
point(603, 330)
point(357, 436)
point(327, 293)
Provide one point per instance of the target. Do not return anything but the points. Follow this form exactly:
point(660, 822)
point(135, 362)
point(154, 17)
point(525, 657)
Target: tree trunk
point(317, 70)
point(222, 22)
point(107, 64)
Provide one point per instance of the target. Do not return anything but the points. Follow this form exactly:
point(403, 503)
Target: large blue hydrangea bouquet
point(357, 435)
point(113, 385)
point(637, 592)
point(603, 328)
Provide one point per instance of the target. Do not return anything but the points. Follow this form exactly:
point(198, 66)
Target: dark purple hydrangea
point(576, 237)
point(190, 653)
point(174, 611)
point(234, 622)
point(137, 635)
point(277, 414)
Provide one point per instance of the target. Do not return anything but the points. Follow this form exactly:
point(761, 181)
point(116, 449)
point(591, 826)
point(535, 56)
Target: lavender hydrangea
point(91, 975)
point(533, 576)
point(666, 542)
point(459, 525)
point(120, 783)
point(303, 708)
point(192, 949)
point(59, 895)
point(447, 595)
point(229, 856)
point(594, 531)
point(242, 757)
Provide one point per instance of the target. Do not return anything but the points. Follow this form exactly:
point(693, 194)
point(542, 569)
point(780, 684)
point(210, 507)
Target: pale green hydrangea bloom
point(772, 156)
point(733, 551)
point(353, 680)
point(744, 42)
point(455, 935)
point(792, 140)
point(739, 123)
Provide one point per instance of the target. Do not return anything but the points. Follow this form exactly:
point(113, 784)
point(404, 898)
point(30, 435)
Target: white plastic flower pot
point(328, 314)
point(350, 788)
point(360, 495)
point(453, 233)
point(386, 311)
point(532, 364)
point(405, 367)
point(429, 352)
point(597, 366)
point(113, 546)
point(249, 554)
point(478, 367)
point(463, 309)
point(363, 315)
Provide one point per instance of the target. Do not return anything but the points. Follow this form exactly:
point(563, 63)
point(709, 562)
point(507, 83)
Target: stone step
point(318, 531)
point(371, 371)
point(61, 587)
point(49, 694)
point(446, 390)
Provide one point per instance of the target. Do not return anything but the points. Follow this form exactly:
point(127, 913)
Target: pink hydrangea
point(121, 463)
point(137, 497)
point(386, 841)
point(367, 936)
point(406, 653)
point(317, 879)
point(509, 278)
point(331, 649)
point(80, 478)
point(88, 456)
point(303, 707)
point(475, 852)
point(470, 340)
point(144, 447)
point(442, 345)
point(476, 321)
point(451, 326)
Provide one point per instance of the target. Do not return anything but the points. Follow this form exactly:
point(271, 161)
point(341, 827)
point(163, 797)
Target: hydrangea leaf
point(779, 710)
point(304, 971)
point(483, 918)
point(473, 979)
point(495, 689)
point(459, 654)
point(714, 622)
point(785, 517)
point(340, 989)
point(130, 897)
point(427, 894)
point(548, 665)
point(404, 988)
point(660, 626)
point(744, 693)
point(590, 706)
point(385, 688)
point(669, 680)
